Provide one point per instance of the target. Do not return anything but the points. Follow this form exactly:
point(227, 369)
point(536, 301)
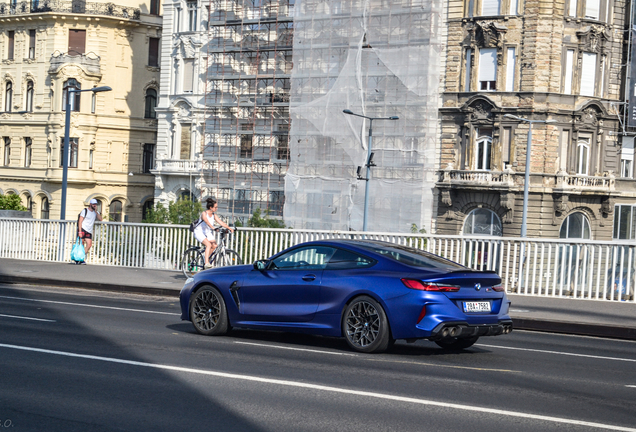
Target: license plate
point(483, 306)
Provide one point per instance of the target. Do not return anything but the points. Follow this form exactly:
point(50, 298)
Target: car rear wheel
point(365, 326)
point(208, 312)
point(457, 344)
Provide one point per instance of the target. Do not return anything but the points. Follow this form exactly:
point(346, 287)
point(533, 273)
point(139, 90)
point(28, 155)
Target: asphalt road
point(74, 360)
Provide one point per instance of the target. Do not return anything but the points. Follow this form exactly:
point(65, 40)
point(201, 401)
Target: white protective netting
point(379, 59)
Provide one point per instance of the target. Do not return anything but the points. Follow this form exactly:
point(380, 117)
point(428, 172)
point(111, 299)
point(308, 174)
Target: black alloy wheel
point(365, 326)
point(208, 313)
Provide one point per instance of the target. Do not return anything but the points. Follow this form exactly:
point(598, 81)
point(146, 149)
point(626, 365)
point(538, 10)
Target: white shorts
point(203, 232)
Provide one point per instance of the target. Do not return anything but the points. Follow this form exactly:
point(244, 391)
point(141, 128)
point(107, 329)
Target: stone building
point(560, 64)
point(48, 47)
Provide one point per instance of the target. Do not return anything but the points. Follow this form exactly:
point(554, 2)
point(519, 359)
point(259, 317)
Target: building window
point(147, 208)
point(572, 6)
point(153, 52)
point(99, 206)
point(469, 62)
point(482, 222)
point(627, 157)
point(148, 158)
point(29, 203)
point(44, 208)
point(487, 69)
point(483, 149)
point(76, 42)
point(186, 141)
point(29, 96)
point(90, 158)
point(192, 16)
point(510, 69)
point(583, 156)
point(575, 226)
point(31, 44)
point(490, 7)
point(71, 84)
point(276, 202)
point(10, 45)
point(72, 153)
point(592, 9)
point(588, 74)
point(114, 212)
point(177, 20)
point(7, 151)
point(569, 70)
point(514, 7)
point(154, 7)
point(28, 151)
point(624, 222)
point(246, 146)
point(93, 101)
point(8, 96)
point(151, 104)
point(282, 147)
point(188, 74)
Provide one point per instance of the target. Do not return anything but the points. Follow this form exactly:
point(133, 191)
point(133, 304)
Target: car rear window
point(344, 260)
point(413, 257)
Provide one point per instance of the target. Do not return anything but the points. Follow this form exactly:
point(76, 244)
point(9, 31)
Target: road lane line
point(559, 353)
point(295, 349)
point(330, 389)
point(27, 318)
point(88, 305)
point(634, 386)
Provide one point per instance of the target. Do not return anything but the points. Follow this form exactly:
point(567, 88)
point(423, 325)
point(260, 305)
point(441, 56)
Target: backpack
point(195, 224)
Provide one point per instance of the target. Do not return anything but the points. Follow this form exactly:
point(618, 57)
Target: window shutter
point(592, 8)
point(188, 72)
point(469, 57)
point(76, 42)
point(186, 135)
point(510, 70)
point(488, 64)
point(572, 8)
point(588, 74)
point(569, 64)
point(490, 7)
point(153, 52)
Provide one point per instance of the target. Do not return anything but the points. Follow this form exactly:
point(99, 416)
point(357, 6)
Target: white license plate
point(477, 306)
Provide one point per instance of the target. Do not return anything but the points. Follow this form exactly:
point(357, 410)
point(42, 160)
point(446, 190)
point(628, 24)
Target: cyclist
point(205, 227)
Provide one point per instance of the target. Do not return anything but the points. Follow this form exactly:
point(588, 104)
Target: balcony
point(74, 6)
point(478, 179)
point(89, 62)
point(583, 183)
point(177, 166)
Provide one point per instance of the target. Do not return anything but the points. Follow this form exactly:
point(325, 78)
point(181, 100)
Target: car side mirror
point(261, 265)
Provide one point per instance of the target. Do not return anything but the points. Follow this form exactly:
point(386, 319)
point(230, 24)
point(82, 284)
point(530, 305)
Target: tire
point(192, 262)
point(455, 344)
point(229, 258)
point(365, 326)
point(208, 312)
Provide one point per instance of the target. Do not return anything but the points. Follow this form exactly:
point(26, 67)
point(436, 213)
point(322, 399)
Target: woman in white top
point(204, 230)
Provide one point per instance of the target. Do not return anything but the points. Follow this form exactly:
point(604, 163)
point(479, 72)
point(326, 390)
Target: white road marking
point(634, 386)
point(295, 349)
point(318, 387)
point(27, 318)
point(88, 305)
point(559, 353)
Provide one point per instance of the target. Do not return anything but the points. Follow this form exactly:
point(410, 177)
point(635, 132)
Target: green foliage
point(11, 202)
point(258, 221)
point(180, 212)
point(418, 242)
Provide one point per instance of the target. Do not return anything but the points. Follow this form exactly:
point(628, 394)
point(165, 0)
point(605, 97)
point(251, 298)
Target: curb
point(597, 330)
point(130, 289)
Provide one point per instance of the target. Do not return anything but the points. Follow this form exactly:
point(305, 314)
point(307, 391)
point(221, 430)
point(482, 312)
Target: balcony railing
point(178, 166)
point(566, 181)
point(74, 6)
point(91, 62)
point(478, 177)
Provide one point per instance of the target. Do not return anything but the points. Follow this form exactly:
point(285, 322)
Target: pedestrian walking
point(85, 223)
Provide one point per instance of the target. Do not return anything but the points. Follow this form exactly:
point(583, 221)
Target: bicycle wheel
point(227, 258)
point(192, 262)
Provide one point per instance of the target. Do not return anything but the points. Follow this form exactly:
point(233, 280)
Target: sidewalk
point(583, 317)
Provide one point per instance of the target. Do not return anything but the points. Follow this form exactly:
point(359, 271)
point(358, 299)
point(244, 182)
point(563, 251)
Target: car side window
point(344, 259)
point(306, 258)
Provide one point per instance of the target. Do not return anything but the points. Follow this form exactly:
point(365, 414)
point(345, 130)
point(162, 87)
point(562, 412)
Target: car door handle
point(309, 277)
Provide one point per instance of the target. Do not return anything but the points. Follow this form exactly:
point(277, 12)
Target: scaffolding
point(246, 139)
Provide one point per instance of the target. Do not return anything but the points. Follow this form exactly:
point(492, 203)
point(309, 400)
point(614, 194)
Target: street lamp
point(67, 131)
point(369, 163)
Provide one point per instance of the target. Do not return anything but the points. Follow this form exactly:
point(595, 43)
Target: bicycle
point(193, 260)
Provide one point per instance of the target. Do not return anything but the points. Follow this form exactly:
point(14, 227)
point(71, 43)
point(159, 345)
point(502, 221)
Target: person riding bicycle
point(205, 227)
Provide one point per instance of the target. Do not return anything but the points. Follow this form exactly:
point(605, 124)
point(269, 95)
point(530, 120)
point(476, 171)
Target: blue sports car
point(369, 292)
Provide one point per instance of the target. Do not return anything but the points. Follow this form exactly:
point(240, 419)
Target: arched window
point(147, 207)
point(8, 96)
point(71, 84)
point(29, 203)
point(583, 156)
point(185, 194)
point(114, 214)
point(483, 148)
point(29, 97)
point(151, 103)
point(576, 226)
point(44, 209)
point(482, 222)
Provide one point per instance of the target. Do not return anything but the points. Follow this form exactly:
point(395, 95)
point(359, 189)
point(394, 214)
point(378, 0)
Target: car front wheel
point(365, 326)
point(208, 312)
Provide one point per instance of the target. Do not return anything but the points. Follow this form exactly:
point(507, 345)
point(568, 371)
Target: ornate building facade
point(49, 47)
point(558, 67)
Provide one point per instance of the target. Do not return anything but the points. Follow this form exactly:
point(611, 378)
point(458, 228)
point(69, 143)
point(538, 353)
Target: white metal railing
point(178, 165)
point(593, 270)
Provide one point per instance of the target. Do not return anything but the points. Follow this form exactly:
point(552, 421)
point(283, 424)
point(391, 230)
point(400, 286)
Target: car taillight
point(427, 286)
point(498, 288)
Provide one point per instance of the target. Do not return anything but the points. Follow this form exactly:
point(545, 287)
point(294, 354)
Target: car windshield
point(412, 257)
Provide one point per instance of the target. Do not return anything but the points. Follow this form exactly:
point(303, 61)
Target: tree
point(180, 212)
point(11, 202)
point(258, 221)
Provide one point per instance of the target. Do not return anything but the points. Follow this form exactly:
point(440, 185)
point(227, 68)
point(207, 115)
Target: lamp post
point(526, 186)
point(67, 131)
point(369, 163)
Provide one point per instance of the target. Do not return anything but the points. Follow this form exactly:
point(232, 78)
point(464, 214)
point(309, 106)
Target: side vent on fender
point(234, 291)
